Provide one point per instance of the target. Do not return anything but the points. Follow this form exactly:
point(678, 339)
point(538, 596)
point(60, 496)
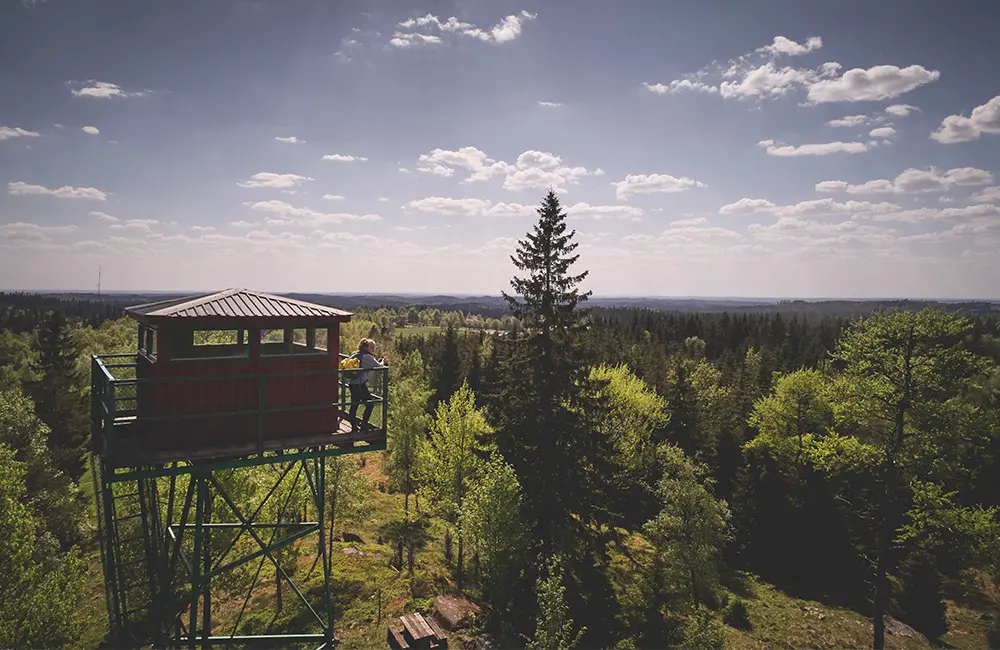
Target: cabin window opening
point(289, 341)
point(207, 344)
point(147, 342)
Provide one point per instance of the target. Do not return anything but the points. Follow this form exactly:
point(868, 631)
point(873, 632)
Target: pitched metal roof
point(236, 303)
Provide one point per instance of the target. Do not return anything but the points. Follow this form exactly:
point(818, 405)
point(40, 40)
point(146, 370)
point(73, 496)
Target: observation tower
point(209, 447)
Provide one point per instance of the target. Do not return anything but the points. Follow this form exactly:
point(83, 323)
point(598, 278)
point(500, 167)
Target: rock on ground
point(453, 612)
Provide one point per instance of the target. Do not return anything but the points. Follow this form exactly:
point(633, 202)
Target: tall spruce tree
point(59, 401)
point(543, 406)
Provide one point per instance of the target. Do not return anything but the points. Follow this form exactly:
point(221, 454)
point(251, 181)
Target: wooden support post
point(311, 338)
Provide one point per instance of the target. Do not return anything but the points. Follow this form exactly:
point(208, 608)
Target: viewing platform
point(227, 375)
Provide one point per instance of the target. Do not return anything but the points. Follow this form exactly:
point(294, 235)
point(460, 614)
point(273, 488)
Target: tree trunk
point(461, 549)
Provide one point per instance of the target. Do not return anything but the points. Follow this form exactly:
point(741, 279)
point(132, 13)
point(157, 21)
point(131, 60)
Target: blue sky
point(761, 148)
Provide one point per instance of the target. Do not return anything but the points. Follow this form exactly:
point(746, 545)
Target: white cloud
point(404, 170)
point(65, 192)
point(508, 29)
point(243, 224)
point(32, 231)
point(531, 170)
point(585, 210)
point(203, 228)
point(289, 140)
point(874, 84)
point(958, 128)
point(764, 81)
point(103, 90)
point(405, 40)
point(470, 207)
point(912, 181)
point(8, 132)
point(679, 85)
point(747, 205)
point(819, 149)
point(817, 207)
point(334, 197)
point(900, 110)
point(987, 195)
point(91, 130)
point(697, 221)
point(271, 180)
point(290, 215)
point(550, 104)
point(104, 216)
point(782, 45)
point(383, 199)
point(338, 157)
point(137, 224)
point(652, 183)
point(848, 120)
point(882, 132)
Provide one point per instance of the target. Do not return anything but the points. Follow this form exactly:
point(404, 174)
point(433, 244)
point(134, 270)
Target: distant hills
point(494, 306)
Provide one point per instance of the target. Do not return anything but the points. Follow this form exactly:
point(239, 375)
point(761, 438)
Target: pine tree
point(59, 401)
point(449, 375)
point(921, 599)
point(543, 406)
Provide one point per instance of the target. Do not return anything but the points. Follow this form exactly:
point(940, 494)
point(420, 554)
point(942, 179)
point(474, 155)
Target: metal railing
point(115, 396)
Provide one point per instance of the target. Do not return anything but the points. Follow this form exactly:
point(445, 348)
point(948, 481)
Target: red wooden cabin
point(227, 374)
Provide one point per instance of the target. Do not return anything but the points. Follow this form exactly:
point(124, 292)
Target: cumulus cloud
point(783, 45)
point(91, 130)
point(653, 183)
point(882, 132)
point(818, 149)
point(818, 207)
point(988, 195)
point(270, 180)
point(290, 139)
point(508, 29)
point(470, 207)
point(874, 84)
point(65, 192)
point(32, 231)
point(958, 128)
point(283, 214)
point(9, 132)
point(550, 104)
point(765, 80)
point(334, 197)
point(203, 228)
point(848, 121)
point(900, 110)
point(102, 90)
point(532, 169)
point(105, 217)
point(914, 181)
point(746, 205)
point(679, 85)
point(339, 157)
point(585, 210)
point(136, 224)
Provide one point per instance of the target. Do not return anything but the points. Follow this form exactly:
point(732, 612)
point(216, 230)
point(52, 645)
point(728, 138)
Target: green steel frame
point(166, 532)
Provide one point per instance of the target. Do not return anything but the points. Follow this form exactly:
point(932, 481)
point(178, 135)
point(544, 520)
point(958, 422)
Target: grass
point(782, 622)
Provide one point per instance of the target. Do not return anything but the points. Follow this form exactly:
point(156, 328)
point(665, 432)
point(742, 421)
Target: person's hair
point(366, 344)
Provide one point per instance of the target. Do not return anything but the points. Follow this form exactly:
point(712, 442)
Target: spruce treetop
point(548, 293)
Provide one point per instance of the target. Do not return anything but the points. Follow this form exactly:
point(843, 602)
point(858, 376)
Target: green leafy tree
point(58, 396)
point(449, 371)
point(453, 458)
point(40, 588)
point(690, 532)
point(49, 491)
point(902, 379)
point(491, 518)
point(408, 396)
point(634, 417)
point(704, 631)
point(920, 597)
point(553, 626)
point(799, 406)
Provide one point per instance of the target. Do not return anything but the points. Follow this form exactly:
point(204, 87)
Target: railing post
point(110, 408)
point(385, 398)
point(260, 411)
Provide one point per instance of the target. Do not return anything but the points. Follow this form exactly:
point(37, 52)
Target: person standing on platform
point(358, 383)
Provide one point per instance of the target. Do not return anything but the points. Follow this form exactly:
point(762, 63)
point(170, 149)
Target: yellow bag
point(350, 363)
